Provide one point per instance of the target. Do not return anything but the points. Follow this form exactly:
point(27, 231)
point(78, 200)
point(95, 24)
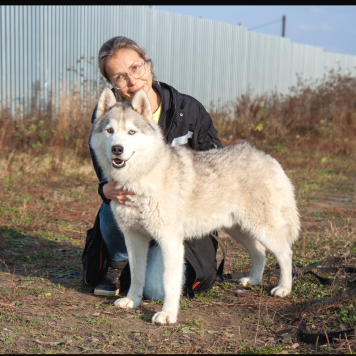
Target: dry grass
point(49, 129)
point(49, 200)
point(322, 110)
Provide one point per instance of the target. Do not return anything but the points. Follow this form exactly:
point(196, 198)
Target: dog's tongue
point(118, 161)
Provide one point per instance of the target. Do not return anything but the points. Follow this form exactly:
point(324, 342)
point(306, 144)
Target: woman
point(125, 65)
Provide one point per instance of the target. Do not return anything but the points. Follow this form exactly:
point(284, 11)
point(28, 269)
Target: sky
point(330, 27)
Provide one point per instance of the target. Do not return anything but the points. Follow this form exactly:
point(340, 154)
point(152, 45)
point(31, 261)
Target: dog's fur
point(183, 194)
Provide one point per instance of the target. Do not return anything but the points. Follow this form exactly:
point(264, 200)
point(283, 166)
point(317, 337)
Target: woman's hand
point(118, 195)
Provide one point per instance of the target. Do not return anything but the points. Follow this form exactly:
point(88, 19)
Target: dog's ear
point(106, 101)
point(142, 105)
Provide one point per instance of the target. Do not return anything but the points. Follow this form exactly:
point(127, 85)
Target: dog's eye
point(132, 132)
point(110, 130)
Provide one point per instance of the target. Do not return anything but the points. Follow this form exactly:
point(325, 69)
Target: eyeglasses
point(137, 70)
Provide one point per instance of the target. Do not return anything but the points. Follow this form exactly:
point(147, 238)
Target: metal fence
point(48, 50)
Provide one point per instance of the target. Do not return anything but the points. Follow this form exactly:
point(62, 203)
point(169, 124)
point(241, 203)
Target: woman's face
point(121, 63)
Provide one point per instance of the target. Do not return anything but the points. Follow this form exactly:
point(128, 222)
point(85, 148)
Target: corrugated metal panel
point(56, 47)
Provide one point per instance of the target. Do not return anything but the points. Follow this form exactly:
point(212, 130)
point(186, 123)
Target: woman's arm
point(207, 133)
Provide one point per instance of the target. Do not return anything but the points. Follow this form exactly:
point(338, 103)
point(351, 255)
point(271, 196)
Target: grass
point(49, 200)
point(43, 298)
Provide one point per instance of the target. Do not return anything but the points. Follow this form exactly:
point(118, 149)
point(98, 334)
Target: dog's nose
point(117, 150)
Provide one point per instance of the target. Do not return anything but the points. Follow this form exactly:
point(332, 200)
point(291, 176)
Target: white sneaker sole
point(107, 293)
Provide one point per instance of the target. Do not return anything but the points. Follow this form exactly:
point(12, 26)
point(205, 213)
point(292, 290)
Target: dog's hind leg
point(137, 248)
point(283, 253)
point(173, 260)
point(256, 251)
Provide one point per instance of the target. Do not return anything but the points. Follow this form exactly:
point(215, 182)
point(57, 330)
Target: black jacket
point(180, 115)
point(184, 121)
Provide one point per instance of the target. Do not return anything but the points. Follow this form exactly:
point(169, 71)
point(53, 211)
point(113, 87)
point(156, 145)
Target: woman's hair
point(112, 46)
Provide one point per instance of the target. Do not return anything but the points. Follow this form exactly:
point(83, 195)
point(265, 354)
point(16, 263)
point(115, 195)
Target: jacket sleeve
point(207, 133)
point(100, 174)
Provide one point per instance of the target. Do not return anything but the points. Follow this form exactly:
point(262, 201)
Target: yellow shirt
point(157, 114)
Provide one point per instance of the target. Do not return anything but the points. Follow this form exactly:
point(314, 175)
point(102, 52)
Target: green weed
point(347, 315)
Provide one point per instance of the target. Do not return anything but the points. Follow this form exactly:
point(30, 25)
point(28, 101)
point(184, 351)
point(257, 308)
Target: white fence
point(53, 48)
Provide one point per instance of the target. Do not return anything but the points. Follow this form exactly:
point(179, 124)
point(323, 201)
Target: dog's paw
point(244, 281)
point(280, 291)
point(164, 318)
point(247, 280)
point(126, 303)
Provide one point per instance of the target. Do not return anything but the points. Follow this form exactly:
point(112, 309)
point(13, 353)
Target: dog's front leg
point(137, 248)
point(173, 261)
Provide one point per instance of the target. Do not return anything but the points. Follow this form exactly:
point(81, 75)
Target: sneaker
point(109, 285)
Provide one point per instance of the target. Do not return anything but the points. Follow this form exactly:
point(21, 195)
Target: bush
point(324, 109)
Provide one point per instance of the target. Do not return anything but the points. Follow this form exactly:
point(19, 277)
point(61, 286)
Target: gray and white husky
point(185, 194)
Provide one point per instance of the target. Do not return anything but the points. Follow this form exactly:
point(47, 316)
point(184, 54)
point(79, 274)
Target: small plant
point(264, 350)
point(195, 322)
point(347, 315)
point(185, 303)
point(267, 321)
point(277, 147)
point(227, 285)
point(159, 302)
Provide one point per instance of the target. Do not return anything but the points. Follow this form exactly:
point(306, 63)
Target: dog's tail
point(294, 226)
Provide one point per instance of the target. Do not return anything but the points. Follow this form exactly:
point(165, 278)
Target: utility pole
point(284, 26)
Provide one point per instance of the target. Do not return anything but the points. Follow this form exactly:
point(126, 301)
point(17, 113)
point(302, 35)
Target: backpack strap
point(223, 249)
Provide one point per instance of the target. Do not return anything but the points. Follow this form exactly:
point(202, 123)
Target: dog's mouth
point(119, 163)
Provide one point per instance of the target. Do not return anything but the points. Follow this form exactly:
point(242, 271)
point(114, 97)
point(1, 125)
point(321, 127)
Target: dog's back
point(235, 185)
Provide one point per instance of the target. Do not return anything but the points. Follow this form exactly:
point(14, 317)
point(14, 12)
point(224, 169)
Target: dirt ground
point(45, 210)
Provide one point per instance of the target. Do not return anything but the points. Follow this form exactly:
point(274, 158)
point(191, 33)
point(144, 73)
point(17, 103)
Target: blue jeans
point(115, 242)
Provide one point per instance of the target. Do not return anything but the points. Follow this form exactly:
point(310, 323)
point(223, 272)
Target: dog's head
point(124, 135)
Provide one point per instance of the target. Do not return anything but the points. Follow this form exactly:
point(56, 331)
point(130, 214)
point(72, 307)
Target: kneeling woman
point(184, 121)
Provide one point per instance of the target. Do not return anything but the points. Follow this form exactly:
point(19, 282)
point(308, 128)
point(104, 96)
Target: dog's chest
point(141, 213)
